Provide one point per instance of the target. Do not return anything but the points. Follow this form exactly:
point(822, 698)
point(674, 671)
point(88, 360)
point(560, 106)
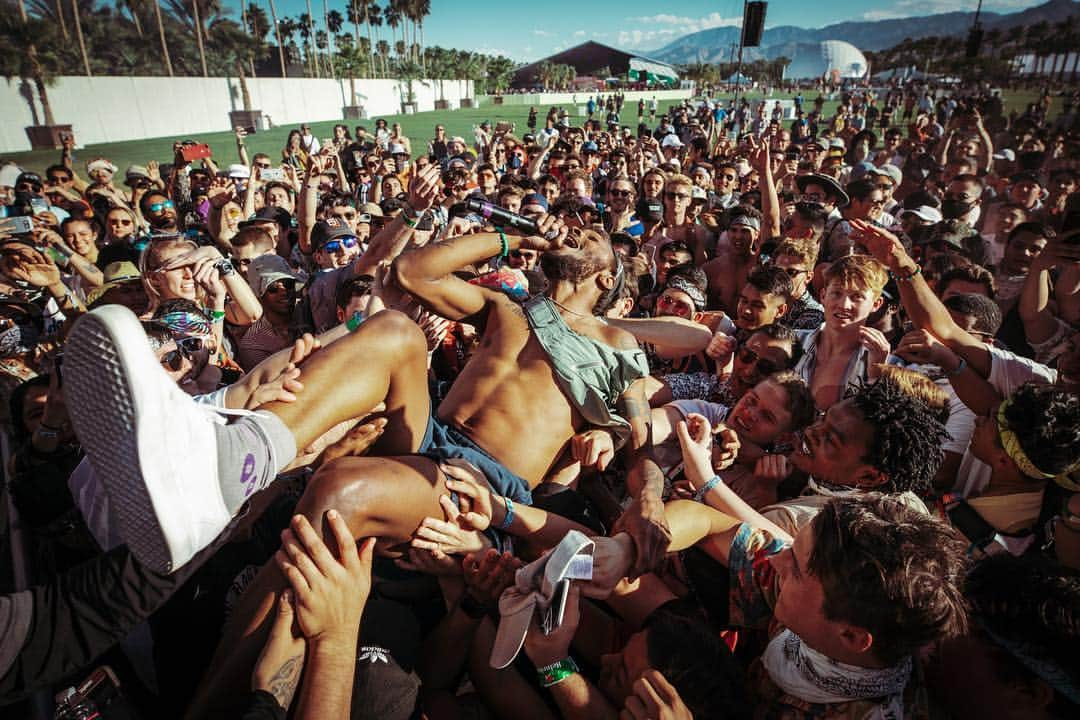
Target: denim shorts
point(442, 441)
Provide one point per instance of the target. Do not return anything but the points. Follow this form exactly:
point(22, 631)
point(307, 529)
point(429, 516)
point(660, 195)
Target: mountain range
point(719, 45)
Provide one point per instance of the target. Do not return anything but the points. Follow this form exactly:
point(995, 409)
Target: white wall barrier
point(580, 97)
point(112, 109)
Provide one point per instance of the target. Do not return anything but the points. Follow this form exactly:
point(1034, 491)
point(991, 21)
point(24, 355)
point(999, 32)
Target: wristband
point(959, 369)
point(411, 223)
point(699, 496)
point(909, 277)
point(556, 672)
point(215, 315)
point(508, 518)
point(355, 321)
point(504, 242)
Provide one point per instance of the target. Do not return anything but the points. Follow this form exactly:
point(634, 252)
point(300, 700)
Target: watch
point(409, 212)
point(225, 267)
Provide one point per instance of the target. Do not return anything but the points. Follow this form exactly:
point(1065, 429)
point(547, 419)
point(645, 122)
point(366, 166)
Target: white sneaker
point(149, 443)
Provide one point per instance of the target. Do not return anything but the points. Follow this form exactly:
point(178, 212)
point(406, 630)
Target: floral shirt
point(700, 386)
point(806, 313)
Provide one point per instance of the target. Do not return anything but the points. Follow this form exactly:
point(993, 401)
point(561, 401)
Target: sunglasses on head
point(348, 243)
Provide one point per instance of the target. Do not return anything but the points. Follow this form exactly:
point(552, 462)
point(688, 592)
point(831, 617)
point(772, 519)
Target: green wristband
point(355, 321)
point(556, 672)
point(215, 315)
point(505, 244)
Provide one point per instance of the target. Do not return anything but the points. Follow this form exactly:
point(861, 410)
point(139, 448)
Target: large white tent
point(833, 59)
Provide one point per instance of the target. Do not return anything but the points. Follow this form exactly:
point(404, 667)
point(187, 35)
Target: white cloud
point(684, 25)
point(642, 39)
point(543, 33)
point(579, 33)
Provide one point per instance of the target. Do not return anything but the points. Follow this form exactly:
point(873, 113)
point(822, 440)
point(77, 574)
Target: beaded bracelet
point(508, 518)
point(556, 672)
point(704, 490)
point(909, 277)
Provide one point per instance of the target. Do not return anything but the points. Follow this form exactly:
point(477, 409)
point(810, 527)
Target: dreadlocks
point(907, 436)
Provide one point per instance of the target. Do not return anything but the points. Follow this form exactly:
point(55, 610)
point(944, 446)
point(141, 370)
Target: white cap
point(239, 170)
point(1006, 154)
point(925, 213)
point(8, 175)
point(671, 140)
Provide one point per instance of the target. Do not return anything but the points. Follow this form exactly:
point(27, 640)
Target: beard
point(570, 268)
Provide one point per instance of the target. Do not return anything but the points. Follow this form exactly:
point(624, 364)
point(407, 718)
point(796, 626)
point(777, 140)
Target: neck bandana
point(805, 673)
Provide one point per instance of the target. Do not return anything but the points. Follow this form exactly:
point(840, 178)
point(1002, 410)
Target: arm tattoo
point(283, 683)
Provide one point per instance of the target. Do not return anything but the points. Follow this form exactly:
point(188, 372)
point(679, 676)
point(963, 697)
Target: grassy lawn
point(419, 127)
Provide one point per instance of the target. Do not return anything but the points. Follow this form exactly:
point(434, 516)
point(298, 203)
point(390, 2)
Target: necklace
point(575, 312)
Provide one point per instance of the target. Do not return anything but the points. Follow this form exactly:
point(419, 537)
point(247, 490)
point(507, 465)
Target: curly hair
point(986, 312)
point(907, 435)
point(1046, 421)
point(890, 569)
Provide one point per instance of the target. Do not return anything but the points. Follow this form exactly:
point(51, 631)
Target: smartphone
point(195, 152)
point(250, 129)
point(426, 222)
point(272, 175)
point(20, 225)
point(39, 205)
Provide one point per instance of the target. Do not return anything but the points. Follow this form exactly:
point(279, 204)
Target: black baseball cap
point(329, 229)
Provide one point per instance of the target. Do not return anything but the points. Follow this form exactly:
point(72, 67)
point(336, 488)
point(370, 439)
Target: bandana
point(683, 285)
point(747, 220)
point(805, 673)
point(506, 280)
point(1011, 443)
point(185, 323)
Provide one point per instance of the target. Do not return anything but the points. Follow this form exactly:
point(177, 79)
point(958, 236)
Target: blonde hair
point(678, 179)
point(920, 387)
point(805, 250)
point(150, 262)
point(860, 271)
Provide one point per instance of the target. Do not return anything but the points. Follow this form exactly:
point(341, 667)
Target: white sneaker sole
point(126, 435)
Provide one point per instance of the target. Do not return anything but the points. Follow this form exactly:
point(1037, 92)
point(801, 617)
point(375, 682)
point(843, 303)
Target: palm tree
point(258, 25)
point(383, 48)
point(311, 38)
point(393, 18)
point(79, 35)
point(161, 36)
point(373, 19)
point(277, 35)
point(232, 49)
point(422, 8)
point(199, 37)
point(29, 50)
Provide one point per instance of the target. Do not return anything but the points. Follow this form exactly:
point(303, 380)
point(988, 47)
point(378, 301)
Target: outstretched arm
point(427, 273)
point(644, 520)
point(676, 335)
point(922, 305)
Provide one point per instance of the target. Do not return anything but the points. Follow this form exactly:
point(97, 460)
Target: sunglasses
point(763, 366)
point(620, 193)
point(56, 180)
point(346, 243)
point(281, 287)
point(680, 308)
point(676, 196)
point(158, 207)
point(263, 166)
point(185, 347)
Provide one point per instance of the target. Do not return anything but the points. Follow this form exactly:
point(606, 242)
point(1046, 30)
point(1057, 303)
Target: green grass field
point(419, 127)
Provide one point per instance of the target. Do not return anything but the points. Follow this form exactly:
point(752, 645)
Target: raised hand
point(424, 188)
point(22, 262)
point(654, 698)
point(330, 592)
point(875, 342)
point(221, 191)
point(281, 661)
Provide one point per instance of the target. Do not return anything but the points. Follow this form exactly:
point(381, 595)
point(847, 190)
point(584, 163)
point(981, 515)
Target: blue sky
point(529, 30)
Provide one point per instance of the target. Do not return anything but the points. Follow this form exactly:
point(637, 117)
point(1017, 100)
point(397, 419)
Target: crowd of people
point(718, 415)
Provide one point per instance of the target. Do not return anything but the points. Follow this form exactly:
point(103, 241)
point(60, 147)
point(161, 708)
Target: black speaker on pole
point(753, 23)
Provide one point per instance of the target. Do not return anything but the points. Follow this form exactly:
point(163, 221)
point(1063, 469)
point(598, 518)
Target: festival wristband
point(910, 276)
point(508, 518)
point(504, 243)
point(215, 315)
point(959, 368)
point(355, 321)
point(705, 489)
point(556, 672)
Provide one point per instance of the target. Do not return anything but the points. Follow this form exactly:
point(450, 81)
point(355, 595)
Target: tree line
point(42, 39)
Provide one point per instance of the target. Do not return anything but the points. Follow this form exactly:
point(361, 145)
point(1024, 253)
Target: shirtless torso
point(509, 389)
point(827, 384)
point(726, 276)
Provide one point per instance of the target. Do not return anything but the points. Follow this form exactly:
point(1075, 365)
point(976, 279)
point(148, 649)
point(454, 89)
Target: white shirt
point(1008, 371)
point(310, 143)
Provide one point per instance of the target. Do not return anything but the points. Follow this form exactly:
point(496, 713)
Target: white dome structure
point(834, 59)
